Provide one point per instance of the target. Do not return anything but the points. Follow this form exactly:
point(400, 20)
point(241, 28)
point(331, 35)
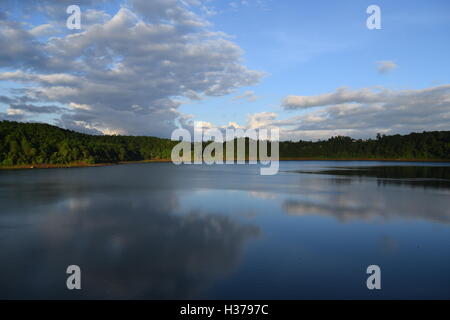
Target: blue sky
point(266, 52)
point(313, 47)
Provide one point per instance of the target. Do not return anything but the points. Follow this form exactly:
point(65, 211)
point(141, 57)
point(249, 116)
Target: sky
point(313, 69)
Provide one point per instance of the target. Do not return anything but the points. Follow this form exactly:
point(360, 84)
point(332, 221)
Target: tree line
point(38, 143)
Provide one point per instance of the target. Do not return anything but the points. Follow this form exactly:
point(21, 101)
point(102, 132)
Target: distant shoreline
point(32, 143)
point(86, 165)
point(365, 159)
point(74, 165)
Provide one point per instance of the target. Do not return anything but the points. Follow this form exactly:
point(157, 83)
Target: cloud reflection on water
point(129, 247)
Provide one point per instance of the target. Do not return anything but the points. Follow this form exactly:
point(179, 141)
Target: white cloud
point(365, 95)
point(12, 112)
point(80, 106)
point(248, 96)
point(233, 125)
point(260, 4)
point(261, 120)
point(386, 66)
point(126, 73)
point(360, 113)
point(42, 30)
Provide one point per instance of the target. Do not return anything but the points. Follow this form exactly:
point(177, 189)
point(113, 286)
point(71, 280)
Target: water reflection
point(366, 212)
point(362, 203)
point(418, 176)
point(159, 231)
point(388, 244)
point(130, 247)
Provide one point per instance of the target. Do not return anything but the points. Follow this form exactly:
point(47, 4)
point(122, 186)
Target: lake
point(160, 231)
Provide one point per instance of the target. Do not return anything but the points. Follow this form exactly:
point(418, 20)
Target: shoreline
point(87, 165)
point(75, 165)
point(365, 159)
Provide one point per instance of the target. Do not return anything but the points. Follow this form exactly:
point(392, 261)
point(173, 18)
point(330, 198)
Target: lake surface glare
point(160, 231)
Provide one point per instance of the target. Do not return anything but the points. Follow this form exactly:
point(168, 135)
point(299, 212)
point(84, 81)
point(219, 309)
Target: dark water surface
point(160, 231)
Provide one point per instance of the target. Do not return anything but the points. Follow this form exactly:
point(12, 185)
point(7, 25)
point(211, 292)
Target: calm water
point(159, 231)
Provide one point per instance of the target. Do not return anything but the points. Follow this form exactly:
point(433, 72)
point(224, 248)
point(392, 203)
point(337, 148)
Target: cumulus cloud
point(128, 73)
point(172, 11)
point(386, 66)
point(237, 4)
point(22, 50)
point(360, 113)
point(30, 108)
point(365, 95)
point(248, 96)
point(341, 95)
point(54, 10)
point(42, 30)
point(22, 108)
point(261, 4)
point(261, 120)
point(363, 113)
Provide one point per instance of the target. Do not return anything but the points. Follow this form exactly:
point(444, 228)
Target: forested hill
point(35, 143)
